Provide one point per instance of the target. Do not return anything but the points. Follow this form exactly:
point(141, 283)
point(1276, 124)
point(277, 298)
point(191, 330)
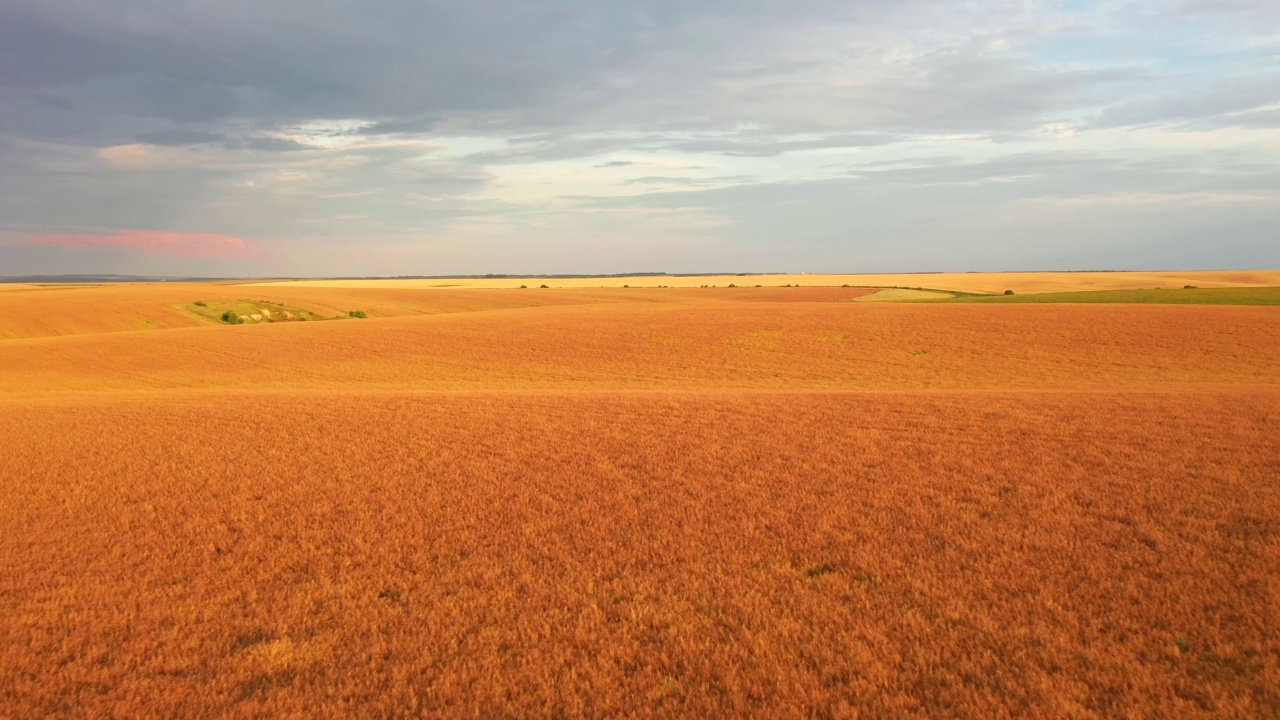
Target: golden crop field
point(37, 311)
point(978, 282)
point(672, 502)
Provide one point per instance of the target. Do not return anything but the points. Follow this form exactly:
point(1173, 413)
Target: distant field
point(1185, 296)
point(29, 311)
point(679, 502)
point(991, 283)
point(42, 311)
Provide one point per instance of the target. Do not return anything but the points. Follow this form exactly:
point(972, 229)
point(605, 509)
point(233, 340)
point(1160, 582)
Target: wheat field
point(978, 282)
point(666, 502)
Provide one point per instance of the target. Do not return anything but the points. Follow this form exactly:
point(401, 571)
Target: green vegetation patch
point(1171, 296)
point(251, 312)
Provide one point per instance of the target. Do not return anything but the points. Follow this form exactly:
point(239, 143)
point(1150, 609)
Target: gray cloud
point(761, 145)
point(1266, 119)
point(1063, 210)
point(176, 137)
point(1216, 102)
point(273, 144)
point(689, 181)
point(181, 136)
point(387, 123)
point(1009, 178)
point(502, 67)
point(1250, 16)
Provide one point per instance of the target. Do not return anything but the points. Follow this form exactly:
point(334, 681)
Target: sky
point(311, 138)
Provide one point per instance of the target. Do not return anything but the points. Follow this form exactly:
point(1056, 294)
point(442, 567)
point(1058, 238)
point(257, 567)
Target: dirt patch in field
point(901, 294)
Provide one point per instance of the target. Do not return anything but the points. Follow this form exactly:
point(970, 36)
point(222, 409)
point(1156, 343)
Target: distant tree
point(1008, 292)
point(358, 314)
point(232, 318)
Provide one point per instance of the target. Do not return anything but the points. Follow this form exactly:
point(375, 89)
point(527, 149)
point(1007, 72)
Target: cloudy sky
point(406, 137)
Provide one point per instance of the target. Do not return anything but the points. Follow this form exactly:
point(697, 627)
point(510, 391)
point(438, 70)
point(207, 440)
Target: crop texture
point(642, 502)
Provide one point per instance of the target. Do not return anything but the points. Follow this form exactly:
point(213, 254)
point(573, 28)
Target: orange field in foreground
point(639, 503)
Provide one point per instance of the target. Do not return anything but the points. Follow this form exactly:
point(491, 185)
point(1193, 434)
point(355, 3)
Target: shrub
point(1008, 292)
point(1188, 287)
point(823, 569)
point(232, 318)
point(524, 287)
point(732, 285)
point(358, 314)
point(626, 286)
point(545, 286)
point(199, 303)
